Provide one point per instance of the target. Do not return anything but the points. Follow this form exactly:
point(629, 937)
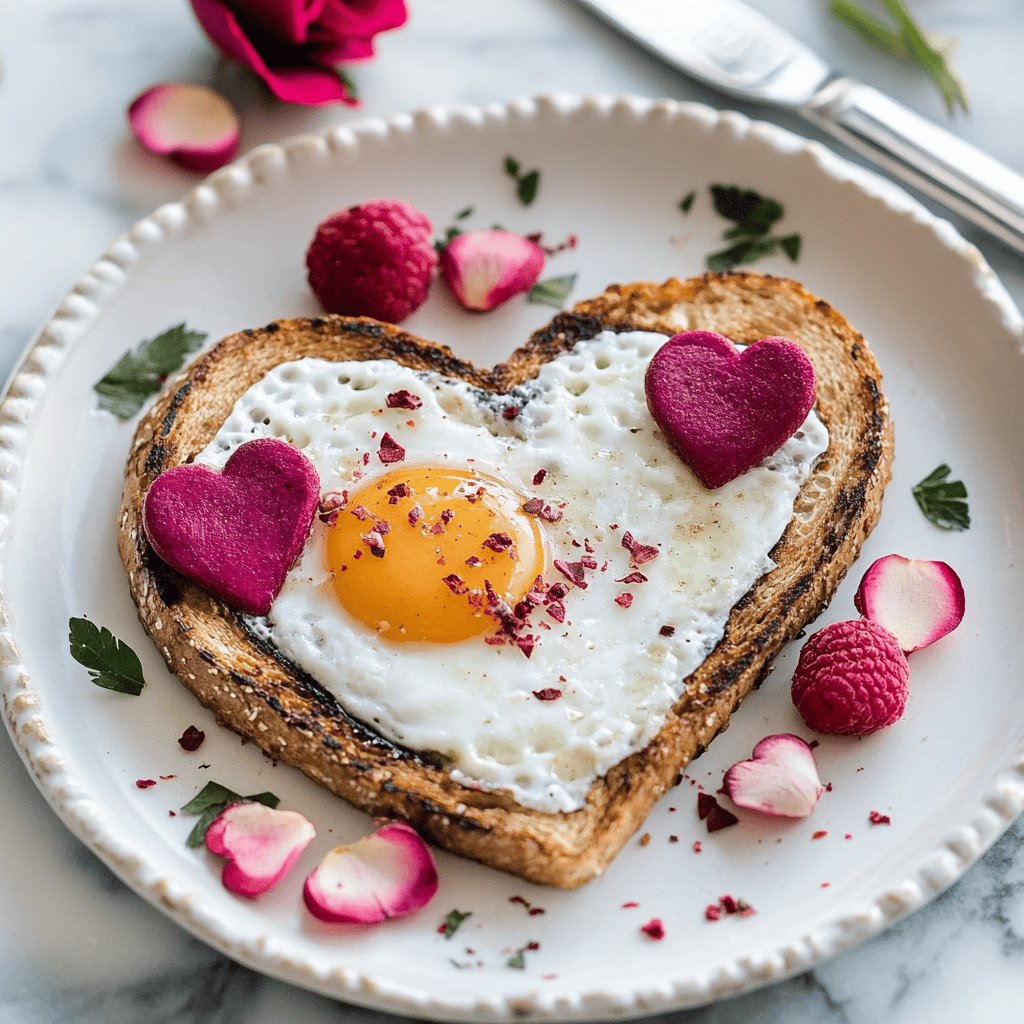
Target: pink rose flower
point(293, 45)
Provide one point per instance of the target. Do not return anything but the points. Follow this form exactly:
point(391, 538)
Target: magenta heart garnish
point(725, 410)
point(238, 532)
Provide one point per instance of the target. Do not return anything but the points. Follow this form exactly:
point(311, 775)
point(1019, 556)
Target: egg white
point(585, 420)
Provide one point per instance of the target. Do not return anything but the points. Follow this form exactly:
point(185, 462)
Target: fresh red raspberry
point(375, 260)
point(851, 679)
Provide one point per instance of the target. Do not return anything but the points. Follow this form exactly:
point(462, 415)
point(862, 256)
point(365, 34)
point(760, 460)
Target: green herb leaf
point(440, 243)
point(112, 664)
point(552, 292)
point(453, 921)
point(943, 501)
point(746, 250)
point(752, 213)
point(210, 801)
point(511, 167)
point(466, 211)
point(790, 245)
point(349, 82)
point(686, 203)
point(140, 373)
point(907, 40)
point(527, 187)
point(518, 961)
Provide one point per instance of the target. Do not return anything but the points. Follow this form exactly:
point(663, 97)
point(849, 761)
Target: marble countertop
point(79, 947)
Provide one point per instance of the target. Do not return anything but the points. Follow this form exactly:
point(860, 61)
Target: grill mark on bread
point(204, 644)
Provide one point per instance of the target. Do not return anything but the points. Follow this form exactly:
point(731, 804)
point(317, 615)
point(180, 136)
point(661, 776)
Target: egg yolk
point(413, 553)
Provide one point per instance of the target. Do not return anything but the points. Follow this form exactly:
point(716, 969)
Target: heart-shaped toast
point(237, 532)
point(723, 410)
point(297, 720)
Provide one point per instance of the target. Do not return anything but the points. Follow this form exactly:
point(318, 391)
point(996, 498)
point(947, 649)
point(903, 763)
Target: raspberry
point(851, 679)
point(375, 260)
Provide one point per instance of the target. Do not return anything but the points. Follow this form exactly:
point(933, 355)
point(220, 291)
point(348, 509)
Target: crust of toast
point(253, 691)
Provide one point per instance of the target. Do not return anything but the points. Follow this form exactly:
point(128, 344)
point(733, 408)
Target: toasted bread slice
point(256, 693)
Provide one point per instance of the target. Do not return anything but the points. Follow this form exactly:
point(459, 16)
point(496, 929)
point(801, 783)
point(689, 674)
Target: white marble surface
point(75, 944)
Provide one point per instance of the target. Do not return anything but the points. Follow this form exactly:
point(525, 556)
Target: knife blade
point(738, 51)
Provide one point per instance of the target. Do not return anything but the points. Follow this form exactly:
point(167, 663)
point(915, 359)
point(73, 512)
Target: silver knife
point(740, 52)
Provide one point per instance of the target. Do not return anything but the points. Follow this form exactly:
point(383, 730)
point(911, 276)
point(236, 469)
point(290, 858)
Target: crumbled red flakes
point(536, 507)
point(877, 818)
point(825, 885)
point(473, 560)
point(572, 571)
point(588, 562)
point(630, 905)
point(510, 412)
point(498, 542)
point(455, 584)
point(390, 450)
point(729, 906)
point(538, 477)
point(828, 787)
point(667, 631)
point(654, 929)
point(820, 834)
point(191, 739)
point(357, 554)
point(382, 526)
point(553, 250)
point(534, 911)
point(164, 778)
point(638, 553)
point(415, 515)
point(526, 643)
point(447, 515)
point(331, 504)
point(556, 610)
point(633, 577)
point(437, 528)
point(145, 783)
point(361, 513)
point(624, 600)
point(698, 846)
point(403, 400)
point(366, 458)
point(520, 900)
point(717, 817)
point(847, 835)
point(548, 693)
point(396, 492)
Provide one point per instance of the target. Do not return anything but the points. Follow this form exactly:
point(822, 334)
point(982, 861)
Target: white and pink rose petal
point(917, 601)
point(780, 779)
point(192, 125)
point(486, 268)
point(261, 845)
point(388, 874)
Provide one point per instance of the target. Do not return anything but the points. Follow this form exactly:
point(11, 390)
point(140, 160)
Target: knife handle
point(932, 159)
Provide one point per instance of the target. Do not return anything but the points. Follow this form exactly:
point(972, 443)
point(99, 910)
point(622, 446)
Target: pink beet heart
point(237, 532)
point(725, 410)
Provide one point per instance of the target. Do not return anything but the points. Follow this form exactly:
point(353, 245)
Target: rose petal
point(388, 874)
point(193, 125)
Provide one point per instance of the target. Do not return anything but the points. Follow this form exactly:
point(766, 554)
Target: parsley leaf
point(140, 373)
point(753, 216)
point(517, 961)
point(465, 212)
point(210, 801)
point(112, 664)
point(552, 292)
point(526, 184)
point(943, 501)
point(453, 921)
point(753, 213)
point(686, 203)
point(907, 40)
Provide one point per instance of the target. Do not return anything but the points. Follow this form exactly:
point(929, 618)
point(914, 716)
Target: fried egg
point(518, 584)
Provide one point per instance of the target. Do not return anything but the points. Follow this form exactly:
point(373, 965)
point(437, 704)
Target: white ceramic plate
point(229, 255)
